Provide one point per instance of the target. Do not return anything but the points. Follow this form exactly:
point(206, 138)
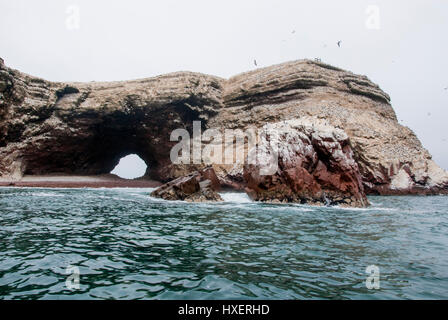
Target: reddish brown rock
point(209, 174)
point(304, 161)
point(382, 147)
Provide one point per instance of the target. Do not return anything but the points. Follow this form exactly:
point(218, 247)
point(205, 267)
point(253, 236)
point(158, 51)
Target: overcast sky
point(402, 47)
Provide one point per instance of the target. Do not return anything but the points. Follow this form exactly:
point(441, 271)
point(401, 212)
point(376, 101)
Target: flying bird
point(339, 43)
point(293, 31)
point(255, 62)
point(445, 88)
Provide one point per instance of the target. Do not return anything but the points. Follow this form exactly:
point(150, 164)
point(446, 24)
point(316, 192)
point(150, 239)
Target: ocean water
point(127, 245)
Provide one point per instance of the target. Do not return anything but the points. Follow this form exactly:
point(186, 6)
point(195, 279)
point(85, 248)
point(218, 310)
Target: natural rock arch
point(85, 128)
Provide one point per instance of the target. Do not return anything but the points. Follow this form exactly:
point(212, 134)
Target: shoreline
point(73, 181)
point(114, 181)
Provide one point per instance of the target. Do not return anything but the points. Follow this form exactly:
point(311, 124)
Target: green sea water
point(127, 245)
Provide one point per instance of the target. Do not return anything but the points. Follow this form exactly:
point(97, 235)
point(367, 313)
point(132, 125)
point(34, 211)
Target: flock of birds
point(317, 59)
point(339, 45)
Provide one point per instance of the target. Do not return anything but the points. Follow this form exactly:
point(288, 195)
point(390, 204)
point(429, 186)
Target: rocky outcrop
point(85, 128)
point(199, 186)
point(311, 162)
point(381, 146)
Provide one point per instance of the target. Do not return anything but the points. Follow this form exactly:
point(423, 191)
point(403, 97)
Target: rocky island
point(341, 139)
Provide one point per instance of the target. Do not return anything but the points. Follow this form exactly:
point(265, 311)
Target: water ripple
point(128, 245)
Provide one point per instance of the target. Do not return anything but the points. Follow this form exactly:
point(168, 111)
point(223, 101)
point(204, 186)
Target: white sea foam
point(234, 197)
point(371, 208)
point(46, 194)
point(238, 197)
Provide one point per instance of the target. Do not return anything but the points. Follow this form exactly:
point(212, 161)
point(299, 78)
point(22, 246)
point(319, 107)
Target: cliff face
point(390, 157)
point(85, 128)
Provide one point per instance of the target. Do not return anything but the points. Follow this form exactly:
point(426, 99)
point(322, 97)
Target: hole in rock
point(130, 167)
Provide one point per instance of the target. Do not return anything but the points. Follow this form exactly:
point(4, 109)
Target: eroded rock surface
point(199, 186)
point(85, 128)
point(381, 146)
point(310, 162)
